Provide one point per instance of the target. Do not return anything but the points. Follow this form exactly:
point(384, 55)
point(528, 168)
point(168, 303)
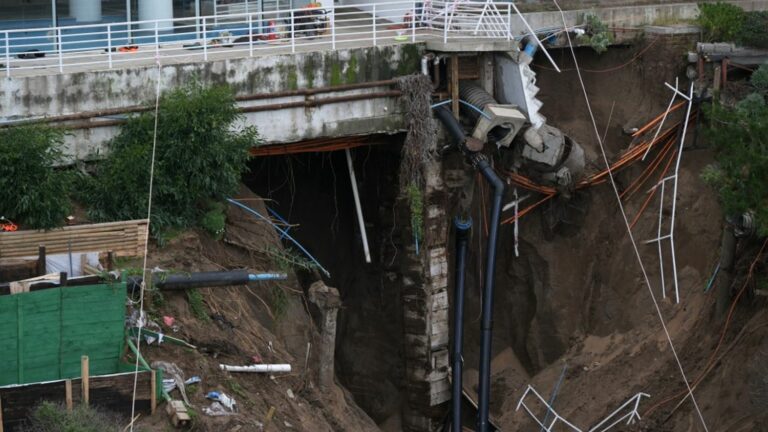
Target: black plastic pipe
point(452, 125)
point(486, 325)
point(481, 163)
point(462, 238)
point(179, 281)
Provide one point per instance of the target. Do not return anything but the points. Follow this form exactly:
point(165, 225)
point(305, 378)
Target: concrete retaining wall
point(53, 95)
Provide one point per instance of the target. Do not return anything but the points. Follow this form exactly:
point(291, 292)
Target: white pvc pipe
point(258, 368)
point(85, 10)
point(151, 10)
point(359, 209)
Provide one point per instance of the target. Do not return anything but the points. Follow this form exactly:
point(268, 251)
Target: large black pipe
point(166, 281)
point(484, 388)
point(481, 163)
point(462, 238)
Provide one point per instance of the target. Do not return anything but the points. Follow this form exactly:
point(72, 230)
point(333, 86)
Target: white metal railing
point(111, 45)
point(628, 411)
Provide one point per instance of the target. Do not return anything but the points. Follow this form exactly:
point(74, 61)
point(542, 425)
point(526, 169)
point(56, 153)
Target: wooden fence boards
point(46, 332)
point(125, 238)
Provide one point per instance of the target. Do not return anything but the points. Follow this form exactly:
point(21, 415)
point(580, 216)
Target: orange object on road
point(7, 226)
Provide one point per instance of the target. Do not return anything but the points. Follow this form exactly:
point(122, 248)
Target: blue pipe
point(280, 218)
point(266, 276)
point(282, 231)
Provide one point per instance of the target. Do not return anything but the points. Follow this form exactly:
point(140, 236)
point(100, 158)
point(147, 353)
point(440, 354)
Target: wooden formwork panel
point(125, 238)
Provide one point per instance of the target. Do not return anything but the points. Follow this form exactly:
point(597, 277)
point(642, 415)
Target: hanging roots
point(420, 141)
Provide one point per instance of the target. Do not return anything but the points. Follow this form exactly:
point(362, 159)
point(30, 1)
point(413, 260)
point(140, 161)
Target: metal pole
point(54, 17)
point(674, 193)
point(374, 24)
point(293, 34)
point(197, 18)
point(157, 43)
point(7, 55)
point(128, 20)
point(413, 23)
point(509, 21)
point(333, 27)
point(358, 207)
point(661, 254)
point(109, 44)
point(204, 40)
point(250, 35)
point(61, 59)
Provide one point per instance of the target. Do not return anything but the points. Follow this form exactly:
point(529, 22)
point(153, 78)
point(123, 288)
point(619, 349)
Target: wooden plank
point(455, 85)
point(68, 394)
point(84, 371)
point(124, 238)
point(152, 392)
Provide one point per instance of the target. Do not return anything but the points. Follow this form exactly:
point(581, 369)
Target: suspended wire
point(626, 223)
point(146, 247)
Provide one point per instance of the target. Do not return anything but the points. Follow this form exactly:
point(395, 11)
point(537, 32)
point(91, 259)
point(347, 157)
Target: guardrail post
point(374, 24)
point(109, 44)
point(7, 55)
point(205, 39)
point(445, 23)
point(413, 23)
point(59, 49)
point(509, 21)
point(157, 42)
point(250, 35)
point(333, 27)
point(293, 33)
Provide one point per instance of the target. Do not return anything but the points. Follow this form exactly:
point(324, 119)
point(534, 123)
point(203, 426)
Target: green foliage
point(598, 35)
point(754, 29)
point(35, 194)
point(279, 301)
point(214, 220)
point(199, 310)
point(50, 417)
point(720, 21)
point(288, 259)
point(740, 139)
point(759, 78)
point(199, 158)
point(416, 204)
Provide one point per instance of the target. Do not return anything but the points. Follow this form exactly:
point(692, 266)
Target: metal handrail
point(105, 45)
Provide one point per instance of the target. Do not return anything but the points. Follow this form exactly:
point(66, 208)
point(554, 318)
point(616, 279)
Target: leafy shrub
point(200, 157)
point(597, 35)
point(740, 140)
point(196, 304)
point(754, 29)
point(720, 21)
point(35, 194)
point(50, 417)
point(214, 220)
point(760, 77)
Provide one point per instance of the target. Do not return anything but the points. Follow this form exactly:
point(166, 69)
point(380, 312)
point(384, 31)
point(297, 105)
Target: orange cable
point(653, 193)
point(711, 362)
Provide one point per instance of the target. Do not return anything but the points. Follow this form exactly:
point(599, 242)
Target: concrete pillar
point(328, 301)
point(151, 10)
point(84, 11)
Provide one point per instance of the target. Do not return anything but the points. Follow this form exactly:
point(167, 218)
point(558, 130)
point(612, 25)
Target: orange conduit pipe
point(653, 192)
point(711, 362)
point(324, 145)
point(646, 174)
point(658, 119)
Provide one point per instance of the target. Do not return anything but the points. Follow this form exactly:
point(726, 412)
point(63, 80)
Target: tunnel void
point(313, 192)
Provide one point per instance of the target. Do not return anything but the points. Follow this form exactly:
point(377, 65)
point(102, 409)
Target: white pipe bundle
point(258, 368)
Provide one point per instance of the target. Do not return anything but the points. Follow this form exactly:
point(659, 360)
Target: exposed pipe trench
point(481, 163)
